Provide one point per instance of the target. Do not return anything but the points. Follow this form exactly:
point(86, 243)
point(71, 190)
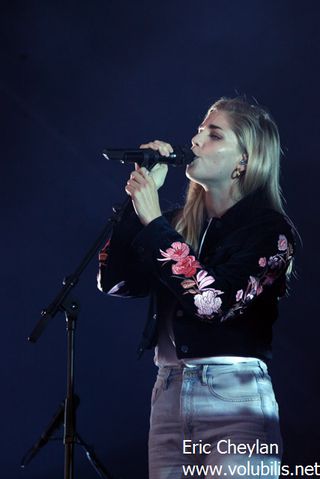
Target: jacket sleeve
point(222, 291)
point(121, 273)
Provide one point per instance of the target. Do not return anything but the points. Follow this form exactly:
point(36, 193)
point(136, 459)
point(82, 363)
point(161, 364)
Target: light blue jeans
point(223, 417)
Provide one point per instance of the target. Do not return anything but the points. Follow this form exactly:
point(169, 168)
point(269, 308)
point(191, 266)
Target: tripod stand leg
point(100, 469)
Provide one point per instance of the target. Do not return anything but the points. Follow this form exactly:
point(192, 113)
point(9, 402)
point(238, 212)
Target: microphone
point(181, 156)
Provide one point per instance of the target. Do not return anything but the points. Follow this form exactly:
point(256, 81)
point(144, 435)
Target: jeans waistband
point(219, 360)
point(203, 371)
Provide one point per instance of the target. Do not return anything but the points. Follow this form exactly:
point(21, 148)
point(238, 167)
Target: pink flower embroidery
point(274, 266)
point(254, 288)
point(177, 252)
point(275, 262)
point(186, 266)
point(282, 243)
point(207, 302)
point(103, 254)
point(207, 299)
point(188, 283)
point(204, 279)
point(239, 294)
point(262, 262)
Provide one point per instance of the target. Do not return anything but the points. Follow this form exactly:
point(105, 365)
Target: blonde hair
point(259, 140)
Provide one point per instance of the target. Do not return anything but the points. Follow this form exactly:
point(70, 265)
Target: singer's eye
point(215, 137)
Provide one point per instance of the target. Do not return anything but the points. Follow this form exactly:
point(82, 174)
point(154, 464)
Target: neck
point(217, 201)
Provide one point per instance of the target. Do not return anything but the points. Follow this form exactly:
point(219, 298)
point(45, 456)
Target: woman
point(215, 270)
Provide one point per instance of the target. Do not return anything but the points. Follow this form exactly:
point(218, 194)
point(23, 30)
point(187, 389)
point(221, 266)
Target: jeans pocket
point(235, 386)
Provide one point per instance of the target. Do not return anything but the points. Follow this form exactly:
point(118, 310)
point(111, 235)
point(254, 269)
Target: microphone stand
point(70, 307)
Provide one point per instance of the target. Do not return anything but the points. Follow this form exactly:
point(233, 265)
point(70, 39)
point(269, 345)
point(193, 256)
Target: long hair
point(259, 140)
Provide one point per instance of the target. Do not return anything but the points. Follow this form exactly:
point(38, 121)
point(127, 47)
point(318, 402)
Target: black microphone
point(181, 156)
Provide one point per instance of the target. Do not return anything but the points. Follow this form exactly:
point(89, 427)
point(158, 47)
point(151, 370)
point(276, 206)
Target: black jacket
point(222, 302)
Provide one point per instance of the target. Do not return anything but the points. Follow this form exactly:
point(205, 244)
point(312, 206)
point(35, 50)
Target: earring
point(235, 174)
point(244, 159)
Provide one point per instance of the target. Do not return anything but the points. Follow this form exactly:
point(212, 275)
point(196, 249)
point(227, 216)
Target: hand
point(143, 191)
point(160, 170)
point(143, 184)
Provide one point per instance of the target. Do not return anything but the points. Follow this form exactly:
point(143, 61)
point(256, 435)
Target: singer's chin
point(192, 162)
point(189, 170)
point(191, 165)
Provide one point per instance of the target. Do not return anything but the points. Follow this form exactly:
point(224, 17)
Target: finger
point(128, 190)
point(151, 145)
point(138, 176)
point(133, 187)
point(144, 172)
point(142, 178)
point(164, 146)
point(137, 166)
point(141, 175)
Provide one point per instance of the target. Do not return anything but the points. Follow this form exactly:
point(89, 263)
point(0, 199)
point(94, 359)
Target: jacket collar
point(243, 211)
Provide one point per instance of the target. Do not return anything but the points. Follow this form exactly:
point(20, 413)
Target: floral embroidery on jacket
point(272, 268)
point(207, 299)
point(103, 254)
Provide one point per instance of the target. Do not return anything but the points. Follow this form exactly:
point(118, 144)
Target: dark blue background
point(77, 76)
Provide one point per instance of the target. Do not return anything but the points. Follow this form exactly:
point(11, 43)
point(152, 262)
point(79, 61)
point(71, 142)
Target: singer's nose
point(195, 141)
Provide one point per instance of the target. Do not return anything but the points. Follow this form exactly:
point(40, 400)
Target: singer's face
point(217, 152)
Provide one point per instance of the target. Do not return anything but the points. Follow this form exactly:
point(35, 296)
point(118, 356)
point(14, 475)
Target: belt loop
point(204, 374)
point(166, 377)
point(262, 368)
